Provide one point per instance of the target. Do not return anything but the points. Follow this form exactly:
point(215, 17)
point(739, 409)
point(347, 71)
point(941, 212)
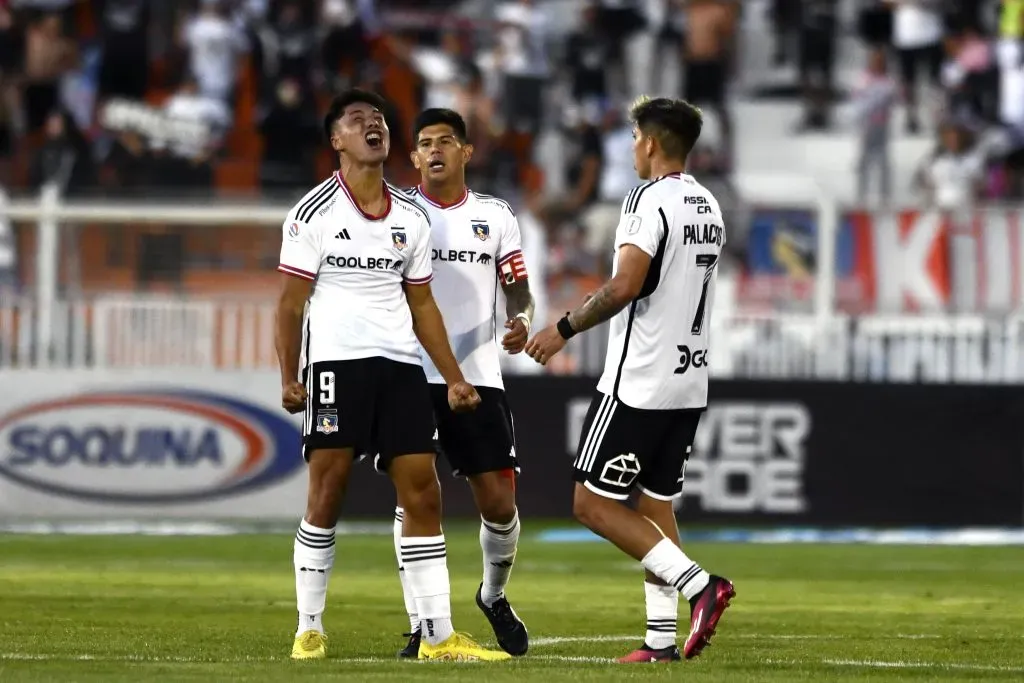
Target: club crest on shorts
point(481, 231)
point(327, 421)
point(398, 239)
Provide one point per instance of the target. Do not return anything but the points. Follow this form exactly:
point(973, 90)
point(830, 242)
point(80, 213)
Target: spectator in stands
point(288, 48)
point(124, 39)
point(917, 37)
point(290, 136)
point(191, 104)
point(130, 167)
point(214, 44)
point(785, 20)
point(619, 21)
point(346, 45)
point(483, 125)
point(12, 50)
point(952, 177)
point(618, 177)
point(873, 101)
point(710, 32)
point(874, 23)
point(818, 21)
point(48, 56)
point(969, 76)
point(522, 60)
point(190, 159)
point(65, 157)
point(446, 70)
point(584, 159)
point(587, 55)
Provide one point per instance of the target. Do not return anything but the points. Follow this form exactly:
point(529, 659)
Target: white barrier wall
point(143, 444)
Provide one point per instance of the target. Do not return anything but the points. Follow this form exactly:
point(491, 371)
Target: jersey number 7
point(708, 263)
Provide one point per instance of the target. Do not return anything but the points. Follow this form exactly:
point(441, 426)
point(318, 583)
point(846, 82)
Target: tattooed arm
point(611, 298)
point(615, 294)
point(518, 299)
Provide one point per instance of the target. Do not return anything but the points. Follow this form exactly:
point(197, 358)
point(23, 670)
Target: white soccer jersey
point(658, 345)
point(358, 264)
point(476, 246)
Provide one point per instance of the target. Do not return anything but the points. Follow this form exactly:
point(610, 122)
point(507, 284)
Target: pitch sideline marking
point(855, 663)
point(559, 640)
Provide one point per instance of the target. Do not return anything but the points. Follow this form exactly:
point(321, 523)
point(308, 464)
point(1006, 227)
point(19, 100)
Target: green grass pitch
point(131, 608)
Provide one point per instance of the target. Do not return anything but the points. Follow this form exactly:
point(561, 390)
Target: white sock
point(671, 565)
point(425, 559)
point(410, 602)
point(313, 558)
point(499, 543)
point(662, 612)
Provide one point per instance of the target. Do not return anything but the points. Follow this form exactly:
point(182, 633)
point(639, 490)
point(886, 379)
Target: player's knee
point(590, 509)
point(495, 496)
point(328, 474)
point(421, 497)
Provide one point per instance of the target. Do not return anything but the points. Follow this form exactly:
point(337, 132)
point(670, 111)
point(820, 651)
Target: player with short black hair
point(477, 245)
point(355, 309)
point(640, 428)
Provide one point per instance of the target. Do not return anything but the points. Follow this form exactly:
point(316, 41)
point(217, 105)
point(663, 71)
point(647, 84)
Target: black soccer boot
point(412, 648)
point(509, 629)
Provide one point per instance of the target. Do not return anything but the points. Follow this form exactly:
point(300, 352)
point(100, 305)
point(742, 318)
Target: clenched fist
point(462, 397)
point(293, 397)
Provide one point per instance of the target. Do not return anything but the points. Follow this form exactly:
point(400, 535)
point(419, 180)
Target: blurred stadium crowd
point(133, 98)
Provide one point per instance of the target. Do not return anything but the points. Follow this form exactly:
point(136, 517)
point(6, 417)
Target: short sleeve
point(511, 265)
point(640, 223)
point(418, 269)
point(300, 249)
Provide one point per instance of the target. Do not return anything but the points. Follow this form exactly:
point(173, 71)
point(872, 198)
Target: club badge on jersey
point(481, 230)
point(398, 239)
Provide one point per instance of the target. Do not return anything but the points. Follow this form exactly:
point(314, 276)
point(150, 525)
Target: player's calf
point(499, 539)
point(314, 548)
point(424, 555)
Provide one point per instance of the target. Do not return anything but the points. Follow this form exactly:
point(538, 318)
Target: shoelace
point(311, 640)
point(503, 611)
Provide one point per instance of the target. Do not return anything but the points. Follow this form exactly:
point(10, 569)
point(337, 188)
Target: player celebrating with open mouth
point(359, 254)
point(477, 245)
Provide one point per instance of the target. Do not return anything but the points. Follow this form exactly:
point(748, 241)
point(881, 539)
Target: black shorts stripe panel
point(599, 427)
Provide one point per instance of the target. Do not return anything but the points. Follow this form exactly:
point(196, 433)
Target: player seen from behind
point(359, 254)
point(476, 245)
point(643, 418)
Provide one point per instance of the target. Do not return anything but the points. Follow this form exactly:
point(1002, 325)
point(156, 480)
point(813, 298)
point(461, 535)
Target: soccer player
point(359, 254)
point(476, 245)
point(641, 424)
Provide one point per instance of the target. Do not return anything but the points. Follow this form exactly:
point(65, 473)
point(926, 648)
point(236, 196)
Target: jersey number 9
point(326, 388)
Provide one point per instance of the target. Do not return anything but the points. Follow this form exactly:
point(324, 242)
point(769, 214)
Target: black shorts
point(705, 82)
point(372, 405)
point(479, 441)
point(623, 448)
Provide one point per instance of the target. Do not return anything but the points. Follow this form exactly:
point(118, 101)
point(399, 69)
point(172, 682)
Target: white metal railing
point(153, 332)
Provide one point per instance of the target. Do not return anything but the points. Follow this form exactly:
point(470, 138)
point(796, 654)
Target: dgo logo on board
point(147, 447)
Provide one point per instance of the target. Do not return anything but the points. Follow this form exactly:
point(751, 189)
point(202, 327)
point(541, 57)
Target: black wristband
point(565, 329)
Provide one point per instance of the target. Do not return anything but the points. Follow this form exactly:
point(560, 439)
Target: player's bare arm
point(519, 307)
point(428, 325)
point(602, 305)
point(295, 292)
